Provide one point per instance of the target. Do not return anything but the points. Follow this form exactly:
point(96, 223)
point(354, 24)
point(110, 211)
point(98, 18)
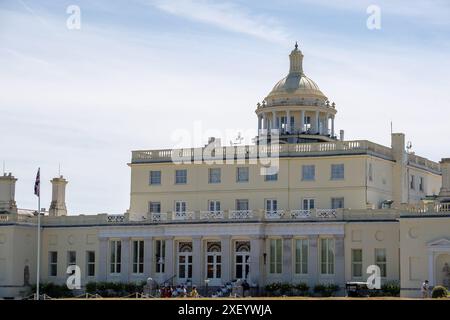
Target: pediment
point(439, 243)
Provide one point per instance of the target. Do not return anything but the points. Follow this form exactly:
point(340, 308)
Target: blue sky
point(139, 70)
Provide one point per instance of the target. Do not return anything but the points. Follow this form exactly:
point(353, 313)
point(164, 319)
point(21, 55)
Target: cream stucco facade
point(334, 208)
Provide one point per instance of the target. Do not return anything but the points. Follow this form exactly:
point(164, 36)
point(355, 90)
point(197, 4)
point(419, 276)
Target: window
point(242, 259)
point(213, 260)
point(370, 173)
point(71, 258)
point(154, 207)
point(271, 205)
point(115, 256)
point(327, 256)
point(155, 177)
point(53, 263)
point(308, 204)
point(242, 174)
point(181, 176)
point(276, 249)
point(380, 260)
point(214, 175)
point(308, 173)
point(271, 177)
point(241, 204)
point(185, 260)
point(337, 171)
point(214, 205)
point(337, 203)
point(412, 182)
point(160, 254)
point(180, 206)
point(90, 263)
point(301, 256)
point(421, 179)
point(356, 263)
point(138, 256)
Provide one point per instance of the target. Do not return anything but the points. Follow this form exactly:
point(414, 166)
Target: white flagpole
point(38, 239)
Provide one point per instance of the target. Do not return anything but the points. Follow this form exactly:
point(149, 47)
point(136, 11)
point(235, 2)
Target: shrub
point(326, 290)
point(302, 287)
point(391, 289)
point(54, 290)
point(272, 287)
point(285, 288)
point(439, 292)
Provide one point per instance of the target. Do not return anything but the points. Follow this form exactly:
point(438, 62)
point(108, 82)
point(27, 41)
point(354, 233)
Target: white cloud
point(227, 16)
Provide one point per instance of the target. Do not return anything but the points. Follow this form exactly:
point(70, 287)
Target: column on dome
point(274, 120)
point(332, 126)
point(316, 122)
point(288, 121)
point(264, 120)
point(259, 122)
point(327, 118)
point(302, 121)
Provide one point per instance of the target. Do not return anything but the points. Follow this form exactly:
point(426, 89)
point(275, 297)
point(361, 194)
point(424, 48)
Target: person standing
point(424, 289)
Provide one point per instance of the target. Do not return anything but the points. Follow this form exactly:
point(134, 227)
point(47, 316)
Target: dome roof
point(296, 82)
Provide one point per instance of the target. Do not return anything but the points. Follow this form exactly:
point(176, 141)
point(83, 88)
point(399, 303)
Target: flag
point(37, 183)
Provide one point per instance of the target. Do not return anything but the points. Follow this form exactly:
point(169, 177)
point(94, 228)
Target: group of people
point(180, 291)
point(240, 289)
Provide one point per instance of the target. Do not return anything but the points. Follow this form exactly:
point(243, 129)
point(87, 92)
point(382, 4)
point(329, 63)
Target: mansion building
point(332, 208)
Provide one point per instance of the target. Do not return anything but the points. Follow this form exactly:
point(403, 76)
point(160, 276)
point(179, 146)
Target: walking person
point(424, 289)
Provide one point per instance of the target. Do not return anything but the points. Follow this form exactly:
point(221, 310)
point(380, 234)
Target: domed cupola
point(296, 83)
point(296, 107)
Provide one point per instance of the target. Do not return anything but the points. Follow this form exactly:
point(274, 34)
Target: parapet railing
point(426, 208)
point(258, 215)
point(260, 151)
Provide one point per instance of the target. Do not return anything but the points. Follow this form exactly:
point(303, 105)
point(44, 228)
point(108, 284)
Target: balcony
point(300, 214)
point(240, 214)
point(182, 215)
point(211, 215)
point(274, 214)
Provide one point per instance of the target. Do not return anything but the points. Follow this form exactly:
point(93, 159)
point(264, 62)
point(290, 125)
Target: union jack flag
point(37, 183)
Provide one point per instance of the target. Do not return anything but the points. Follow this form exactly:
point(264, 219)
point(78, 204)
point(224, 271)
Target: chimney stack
point(7, 193)
point(341, 135)
point(58, 204)
point(444, 194)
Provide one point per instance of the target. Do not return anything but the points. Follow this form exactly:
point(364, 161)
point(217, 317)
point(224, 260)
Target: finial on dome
point(296, 45)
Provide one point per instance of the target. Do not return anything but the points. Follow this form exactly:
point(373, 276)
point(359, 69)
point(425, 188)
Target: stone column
point(313, 259)
point(316, 122)
point(288, 121)
point(332, 126)
point(197, 261)
point(430, 268)
point(264, 121)
point(256, 274)
point(102, 263)
point(327, 117)
point(169, 263)
point(148, 257)
point(287, 258)
point(274, 120)
point(125, 262)
point(339, 254)
point(225, 243)
point(259, 122)
point(302, 121)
